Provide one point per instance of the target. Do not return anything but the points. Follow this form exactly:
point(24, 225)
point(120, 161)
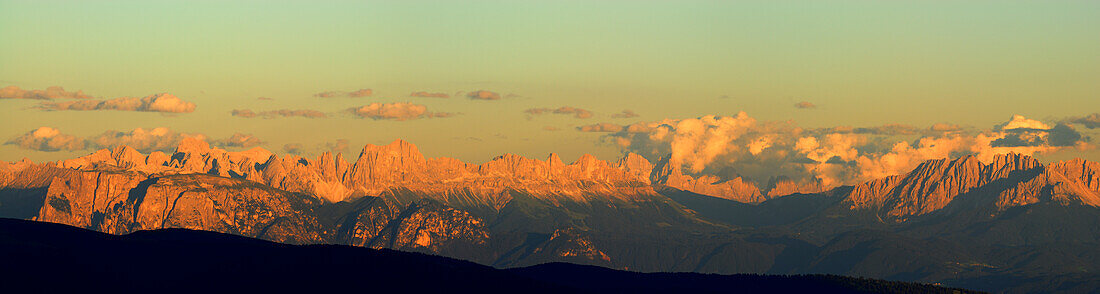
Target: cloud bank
point(162, 102)
point(47, 139)
point(759, 150)
point(399, 111)
point(55, 92)
point(1091, 121)
point(145, 140)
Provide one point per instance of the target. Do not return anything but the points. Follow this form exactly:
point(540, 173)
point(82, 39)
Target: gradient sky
point(863, 63)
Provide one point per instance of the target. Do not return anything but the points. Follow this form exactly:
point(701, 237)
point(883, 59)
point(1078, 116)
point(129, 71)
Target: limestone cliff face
point(399, 165)
point(1012, 179)
point(430, 226)
point(1085, 172)
point(782, 186)
point(204, 202)
point(400, 175)
point(95, 200)
point(667, 173)
point(123, 202)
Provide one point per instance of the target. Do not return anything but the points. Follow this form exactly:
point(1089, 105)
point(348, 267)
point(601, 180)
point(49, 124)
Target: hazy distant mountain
point(1013, 224)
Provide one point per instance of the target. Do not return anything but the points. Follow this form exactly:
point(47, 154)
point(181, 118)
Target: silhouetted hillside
point(52, 258)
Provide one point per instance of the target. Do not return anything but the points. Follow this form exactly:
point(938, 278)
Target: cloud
point(156, 139)
point(353, 94)
point(306, 113)
point(47, 139)
point(239, 140)
point(361, 93)
point(1091, 121)
point(398, 111)
point(1032, 133)
point(1021, 122)
point(340, 146)
point(145, 140)
point(429, 95)
point(626, 113)
point(759, 150)
point(600, 127)
point(483, 95)
point(887, 129)
point(162, 102)
point(576, 112)
point(804, 105)
point(55, 92)
point(944, 127)
point(293, 148)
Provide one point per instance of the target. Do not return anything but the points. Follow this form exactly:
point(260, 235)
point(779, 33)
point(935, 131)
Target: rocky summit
point(959, 222)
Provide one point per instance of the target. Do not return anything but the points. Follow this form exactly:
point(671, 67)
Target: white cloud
point(834, 156)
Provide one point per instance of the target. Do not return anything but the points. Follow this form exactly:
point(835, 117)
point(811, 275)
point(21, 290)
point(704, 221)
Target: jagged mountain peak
point(193, 145)
point(784, 185)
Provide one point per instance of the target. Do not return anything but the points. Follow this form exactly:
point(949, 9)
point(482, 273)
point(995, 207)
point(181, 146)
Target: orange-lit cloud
point(626, 113)
point(804, 105)
point(47, 139)
point(429, 95)
point(162, 102)
point(576, 112)
point(340, 146)
point(398, 111)
point(144, 140)
point(483, 95)
point(155, 139)
point(307, 113)
point(294, 148)
point(1091, 121)
point(55, 92)
point(833, 156)
point(600, 127)
point(353, 94)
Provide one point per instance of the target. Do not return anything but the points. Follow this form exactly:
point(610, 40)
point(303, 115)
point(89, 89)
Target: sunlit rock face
point(1014, 179)
point(668, 173)
point(123, 202)
point(517, 211)
point(782, 186)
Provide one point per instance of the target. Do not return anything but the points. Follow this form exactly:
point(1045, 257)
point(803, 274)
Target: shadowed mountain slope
point(43, 257)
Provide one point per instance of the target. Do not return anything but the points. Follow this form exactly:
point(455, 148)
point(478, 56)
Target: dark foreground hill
point(53, 258)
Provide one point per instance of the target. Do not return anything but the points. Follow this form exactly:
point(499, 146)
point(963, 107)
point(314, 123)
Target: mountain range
point(188, 261)
point(1010, 225)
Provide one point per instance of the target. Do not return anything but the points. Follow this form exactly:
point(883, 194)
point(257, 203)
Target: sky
point(806, 65)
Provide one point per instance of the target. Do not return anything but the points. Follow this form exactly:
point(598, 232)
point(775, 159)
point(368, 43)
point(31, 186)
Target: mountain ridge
point(514, 211)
